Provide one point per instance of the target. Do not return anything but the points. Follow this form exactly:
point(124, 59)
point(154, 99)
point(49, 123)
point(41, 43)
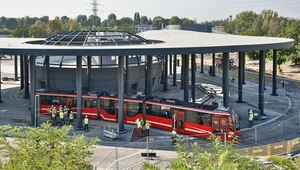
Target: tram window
point(88, 102)
point(223, 129)
point(191, 117)
point(156, 110)
point(165, 112)
point(230, 124)
point(107, 105)
point(204, 119)
point(56, 101)
point(149, 109)
point(74, 102)
point(46, 100)
point(132, 109)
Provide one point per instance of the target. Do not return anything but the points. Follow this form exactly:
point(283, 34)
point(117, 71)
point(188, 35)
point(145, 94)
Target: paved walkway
point(15, 111)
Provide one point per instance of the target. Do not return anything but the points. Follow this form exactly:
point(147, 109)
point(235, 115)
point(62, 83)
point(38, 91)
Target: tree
point(45, 19)
point(125, 20)
point(144, 20)
point(187, 21)
point(158, 21)
point(38, 30)
point(44, 148)
point(216, 155)
point(54, 27)
point(71, 25)
point(285, 163)
point(175, 21)
point(112, 19)
point(64, 19)
point(11, 23)
point(18, 32)
point(137, 18)
point(94, 21)
point(82, 19)
point(2, 21)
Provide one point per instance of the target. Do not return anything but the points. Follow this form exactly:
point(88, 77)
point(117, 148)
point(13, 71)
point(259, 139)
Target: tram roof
point(164, 42)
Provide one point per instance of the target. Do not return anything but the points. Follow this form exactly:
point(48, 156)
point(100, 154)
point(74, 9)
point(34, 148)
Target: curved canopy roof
point(173, 42)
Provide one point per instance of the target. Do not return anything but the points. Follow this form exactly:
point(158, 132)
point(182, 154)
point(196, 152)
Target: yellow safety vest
point(53, 112)
point(251, 116)
point(86, 121)
point(147, 126)
point(61, 115)
point(71, 116)
point(139, 124)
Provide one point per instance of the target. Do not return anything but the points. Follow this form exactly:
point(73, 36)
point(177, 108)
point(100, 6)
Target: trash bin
point(256, 114)
point(210, 70)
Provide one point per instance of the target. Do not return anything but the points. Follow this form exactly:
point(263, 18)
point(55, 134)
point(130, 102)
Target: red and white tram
point(186, 118)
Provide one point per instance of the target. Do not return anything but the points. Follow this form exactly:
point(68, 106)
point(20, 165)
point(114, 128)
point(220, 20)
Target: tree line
point(268, 23)
point(43, 26)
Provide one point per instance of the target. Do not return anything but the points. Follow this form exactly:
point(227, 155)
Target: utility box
point(256, 114)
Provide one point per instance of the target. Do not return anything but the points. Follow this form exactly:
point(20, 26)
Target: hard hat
point(52, 105)
point(250, 111)
point(146, 121)
point(85, 115)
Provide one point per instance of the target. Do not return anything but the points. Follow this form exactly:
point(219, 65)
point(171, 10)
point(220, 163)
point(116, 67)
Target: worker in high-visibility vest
point(139, 127)
point(86, 124)
point(61, 117)
point(174, 136)
point(51, 110)
point(53, 113)
point(71, 118)
point(147, 126)
point(251, 118)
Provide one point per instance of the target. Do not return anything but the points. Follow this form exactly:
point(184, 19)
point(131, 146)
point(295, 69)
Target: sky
point(201, 10)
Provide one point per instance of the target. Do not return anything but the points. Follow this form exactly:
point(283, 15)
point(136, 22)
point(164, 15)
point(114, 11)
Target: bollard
point(255, 136)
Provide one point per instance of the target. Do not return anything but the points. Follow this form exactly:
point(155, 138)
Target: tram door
point(116, 110)
point(66, 102)
point(220, 125)
point(178, 120)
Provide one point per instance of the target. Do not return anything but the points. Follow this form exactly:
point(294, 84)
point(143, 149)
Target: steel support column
point(225, 77)
point(89, 72)
point(261, 85)
point(149, 76)
point(202, 58)
point(170, 67)
point(175, 70)
point(244, 66)
point(186, 77)
point(240, 79)
point(213, 64)
point(166, 74)
point(182, 71)
point(16, 67)
point(0, 81)
point(126, 75)
point(193, 77)
point(47, 71)
point(32, 88)
point(26, 92)
point(274, 81)
point(79, 91)
point(121, 93)
point(21, 73)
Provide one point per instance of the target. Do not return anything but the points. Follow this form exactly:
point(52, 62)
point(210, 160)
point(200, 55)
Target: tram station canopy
point(156, 42)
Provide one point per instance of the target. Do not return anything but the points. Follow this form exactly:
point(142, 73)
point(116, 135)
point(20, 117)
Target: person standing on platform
point(139, 128)
point(86, 124)
point(174, 136)
point(51, 111)
point(71, 118)
point(61, 117)
point(53, 114)
point(251, 118)
point(147, 126)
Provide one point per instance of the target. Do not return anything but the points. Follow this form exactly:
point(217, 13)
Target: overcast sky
point(201, 10)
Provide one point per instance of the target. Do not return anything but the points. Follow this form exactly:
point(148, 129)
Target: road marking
point(3, 110)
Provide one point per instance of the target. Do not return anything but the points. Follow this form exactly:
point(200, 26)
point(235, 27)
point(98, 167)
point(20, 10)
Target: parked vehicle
point(219, 63)
point(168, 114)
